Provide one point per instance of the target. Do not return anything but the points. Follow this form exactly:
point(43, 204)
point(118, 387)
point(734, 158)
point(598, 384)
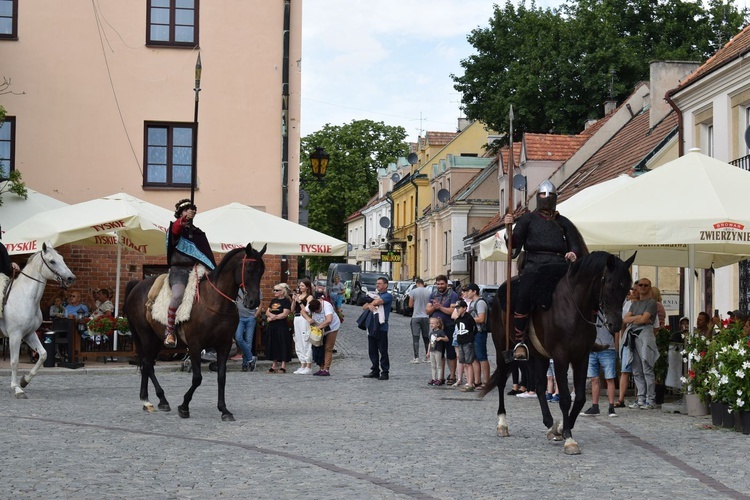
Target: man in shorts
point(606, 360)
point(442, 302)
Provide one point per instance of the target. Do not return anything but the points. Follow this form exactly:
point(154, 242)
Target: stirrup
point(520, 356)
point(170, 340)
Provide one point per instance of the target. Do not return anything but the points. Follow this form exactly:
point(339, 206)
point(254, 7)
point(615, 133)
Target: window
point(9, 19)
point(710, 140)
point(7, 147)
point(168, 153)
point(172, 22)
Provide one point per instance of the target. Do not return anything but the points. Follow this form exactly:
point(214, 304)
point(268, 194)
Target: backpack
point(486, 326)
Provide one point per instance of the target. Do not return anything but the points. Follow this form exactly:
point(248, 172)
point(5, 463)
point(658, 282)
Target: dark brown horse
point(213, 322)
point(566, 333)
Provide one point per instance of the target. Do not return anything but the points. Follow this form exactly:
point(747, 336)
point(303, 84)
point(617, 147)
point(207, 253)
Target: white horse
point(22, 316)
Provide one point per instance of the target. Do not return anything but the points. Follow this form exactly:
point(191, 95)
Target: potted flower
point(122, 326)
point(696, 353)
point(102, 325)
point(729, 375)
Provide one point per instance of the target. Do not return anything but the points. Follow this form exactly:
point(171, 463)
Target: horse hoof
point(552, 435)
point(502, 431)
point(165, 407)
point(571, 447)
point(23, 383)
point(149, 408)
point(227, 417)
point(21, 395)
point(183, 413)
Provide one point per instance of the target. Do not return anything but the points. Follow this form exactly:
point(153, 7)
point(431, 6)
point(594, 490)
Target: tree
point(357, 150)
point(558, 66)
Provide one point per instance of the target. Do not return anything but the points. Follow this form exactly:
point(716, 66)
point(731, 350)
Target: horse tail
point(491, 384)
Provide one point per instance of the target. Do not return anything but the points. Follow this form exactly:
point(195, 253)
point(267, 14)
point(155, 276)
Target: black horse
point(213, 322)
point(566, 333)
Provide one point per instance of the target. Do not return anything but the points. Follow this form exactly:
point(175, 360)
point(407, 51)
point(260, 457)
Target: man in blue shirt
point(377, 345)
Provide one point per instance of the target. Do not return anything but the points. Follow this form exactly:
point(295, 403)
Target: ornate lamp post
point(319, 162)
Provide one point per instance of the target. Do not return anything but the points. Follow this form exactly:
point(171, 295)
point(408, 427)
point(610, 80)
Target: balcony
point(743, 163)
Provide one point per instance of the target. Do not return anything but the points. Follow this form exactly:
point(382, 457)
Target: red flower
point(691, 373)
point(703, 354)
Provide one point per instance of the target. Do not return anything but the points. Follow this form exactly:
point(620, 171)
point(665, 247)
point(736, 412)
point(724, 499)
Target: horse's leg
point(15, 353)
point(561, 375)
point(163, 403)
point(195, 362)
point(539, 367)
point(579, 383)
point(221, 359)
point(33, 341)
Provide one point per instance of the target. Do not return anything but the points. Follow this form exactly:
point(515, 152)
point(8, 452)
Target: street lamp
point(319, 162)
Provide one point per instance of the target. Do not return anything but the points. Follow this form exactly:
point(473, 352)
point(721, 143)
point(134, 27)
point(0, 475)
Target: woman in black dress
point(279, 343)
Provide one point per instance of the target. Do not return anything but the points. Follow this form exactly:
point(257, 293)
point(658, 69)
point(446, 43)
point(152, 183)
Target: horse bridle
point(242, 285)
point(601, 304)
point(58, 276)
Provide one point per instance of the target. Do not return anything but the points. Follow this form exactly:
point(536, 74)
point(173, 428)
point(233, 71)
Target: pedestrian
point(438, 344)
point(103, 306)
point(441, 305)
point(278, 340)
point(606, 360)
point(624, 351)
point(377, 340)
point(246, 331)
point(337, 293)
point(466, 330)
point(553, 391)
point(320, 313)
point(640, 338)
point(478, 308)
point(418, 299)
point(301, 299)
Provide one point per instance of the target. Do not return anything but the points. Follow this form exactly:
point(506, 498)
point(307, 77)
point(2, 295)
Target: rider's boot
point(520, 351)
point(170, 340)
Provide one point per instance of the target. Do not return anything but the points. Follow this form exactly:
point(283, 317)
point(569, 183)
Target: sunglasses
point(643, 285)
point(277, 289)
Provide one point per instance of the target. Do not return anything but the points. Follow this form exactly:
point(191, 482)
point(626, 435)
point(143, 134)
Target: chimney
point(609, 106)
point(590, 123)
point(664, 76)
point(463, 123)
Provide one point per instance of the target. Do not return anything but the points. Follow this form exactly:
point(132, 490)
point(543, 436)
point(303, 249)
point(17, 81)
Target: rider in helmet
point(548, 238)
point(186, 246)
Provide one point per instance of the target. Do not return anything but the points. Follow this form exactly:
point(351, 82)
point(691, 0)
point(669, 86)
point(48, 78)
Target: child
point(57, 310)
point(438, 339)
point(466, 330)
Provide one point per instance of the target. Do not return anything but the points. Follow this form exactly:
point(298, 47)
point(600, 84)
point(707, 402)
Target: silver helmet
point(546, 196)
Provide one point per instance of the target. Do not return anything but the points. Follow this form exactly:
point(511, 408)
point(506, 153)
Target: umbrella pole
point(509, 236)
point(117, 289)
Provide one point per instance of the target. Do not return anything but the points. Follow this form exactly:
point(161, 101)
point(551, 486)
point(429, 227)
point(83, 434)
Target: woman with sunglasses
point(278, 345)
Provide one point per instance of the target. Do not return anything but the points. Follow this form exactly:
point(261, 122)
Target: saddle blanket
point(4, 281)
point(160, 305)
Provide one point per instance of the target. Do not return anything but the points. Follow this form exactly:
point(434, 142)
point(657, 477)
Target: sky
point(386, 60)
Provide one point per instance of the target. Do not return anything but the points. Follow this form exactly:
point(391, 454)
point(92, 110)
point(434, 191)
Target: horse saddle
point(160, 295)
point(544, 288)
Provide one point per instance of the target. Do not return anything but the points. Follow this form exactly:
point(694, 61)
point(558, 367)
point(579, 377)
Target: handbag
point(316, 336)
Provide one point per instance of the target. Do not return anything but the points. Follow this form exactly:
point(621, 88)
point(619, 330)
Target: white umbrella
point(136, 224)
point(15, 209)
point(234, 225)
point(494, 248)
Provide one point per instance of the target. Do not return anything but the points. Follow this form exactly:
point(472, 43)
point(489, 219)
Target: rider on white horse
point(186, 246)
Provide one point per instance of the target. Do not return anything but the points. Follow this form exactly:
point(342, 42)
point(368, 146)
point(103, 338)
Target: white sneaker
point(525, 395)
point(305, 371)
point(298, 370)
point(415, 361)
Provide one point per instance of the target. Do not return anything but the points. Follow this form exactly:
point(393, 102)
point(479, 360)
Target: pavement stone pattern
point(82, 434)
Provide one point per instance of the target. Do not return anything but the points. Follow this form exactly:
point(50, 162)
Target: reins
point(600, 302)
point(222, 294)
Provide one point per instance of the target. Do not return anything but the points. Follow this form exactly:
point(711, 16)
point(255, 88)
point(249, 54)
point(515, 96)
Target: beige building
point(102, 100)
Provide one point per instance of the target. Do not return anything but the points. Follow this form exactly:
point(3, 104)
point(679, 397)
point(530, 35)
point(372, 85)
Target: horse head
point(616, 281)
point(54, 267)
point(252, 272)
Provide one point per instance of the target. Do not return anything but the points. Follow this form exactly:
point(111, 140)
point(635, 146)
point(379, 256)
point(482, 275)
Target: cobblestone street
point(82, 434)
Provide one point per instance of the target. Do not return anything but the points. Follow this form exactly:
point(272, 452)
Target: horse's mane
point(589, 266)
point(226, 260)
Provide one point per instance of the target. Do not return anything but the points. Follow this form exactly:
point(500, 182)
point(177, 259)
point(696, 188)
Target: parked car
point(348, 291)
point(363, 283)
point(344, 271)
point(397, 289)
point(488, 292)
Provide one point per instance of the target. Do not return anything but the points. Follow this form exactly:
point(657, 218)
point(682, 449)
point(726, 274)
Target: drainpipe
point(389, 236)
point(416, 213)
point(284, 271)
point(680, 124)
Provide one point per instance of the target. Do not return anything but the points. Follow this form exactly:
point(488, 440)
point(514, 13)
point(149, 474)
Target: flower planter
point(743, 418)
point(717, 413)
point(727, 419)
point(659, 390)
point(695, 407)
